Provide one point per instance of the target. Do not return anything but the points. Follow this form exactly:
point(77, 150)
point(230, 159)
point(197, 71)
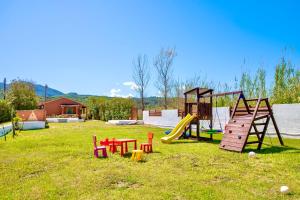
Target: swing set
point(252, 118)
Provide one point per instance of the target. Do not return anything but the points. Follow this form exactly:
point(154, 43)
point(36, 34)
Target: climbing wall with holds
point(236, 134)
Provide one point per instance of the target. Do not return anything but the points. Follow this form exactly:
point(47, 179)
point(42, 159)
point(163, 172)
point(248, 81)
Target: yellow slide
point(178, 130)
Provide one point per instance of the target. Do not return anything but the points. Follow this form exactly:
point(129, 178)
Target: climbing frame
point(246, 121)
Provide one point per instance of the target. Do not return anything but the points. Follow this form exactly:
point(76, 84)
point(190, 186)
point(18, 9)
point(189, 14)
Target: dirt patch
point(126, 185)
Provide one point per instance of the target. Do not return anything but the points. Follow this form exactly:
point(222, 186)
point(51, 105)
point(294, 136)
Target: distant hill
point(40, 90)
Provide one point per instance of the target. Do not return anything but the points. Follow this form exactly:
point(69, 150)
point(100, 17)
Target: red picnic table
point(126, 141)
point(118, 142)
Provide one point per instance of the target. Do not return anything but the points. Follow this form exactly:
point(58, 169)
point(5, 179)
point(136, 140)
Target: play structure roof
point(199, 90)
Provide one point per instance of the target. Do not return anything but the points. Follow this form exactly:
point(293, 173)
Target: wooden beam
point(263, 134)
point(222, 94)
point(274, 123)
point(253, 142)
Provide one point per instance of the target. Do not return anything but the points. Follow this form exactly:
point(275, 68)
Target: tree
point(247, 85)
point(260, 83)
point(179, 88)
point(286, 87)
point(141, 76)
point(163, 64)
point(94, 107)
point(5, 111)
point(21, 95)
point(194, 82)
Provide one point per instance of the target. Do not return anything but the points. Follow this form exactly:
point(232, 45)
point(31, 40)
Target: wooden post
point(77, 110)
point(245, 102)
point(198, 114)
point(185, 105)
point(211, 119)
point(261, 139)
point(235, 107)
point(12, 121)
point(46, 88)
point(13, 128)
point(185, 111)
point(274, 122)
point(4, 88)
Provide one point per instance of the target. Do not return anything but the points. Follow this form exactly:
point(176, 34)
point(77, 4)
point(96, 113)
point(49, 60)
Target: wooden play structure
point(250, 118)
point(194, 104)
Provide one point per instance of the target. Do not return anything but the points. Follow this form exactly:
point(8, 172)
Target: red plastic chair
point(98, 148)
point(147, 147)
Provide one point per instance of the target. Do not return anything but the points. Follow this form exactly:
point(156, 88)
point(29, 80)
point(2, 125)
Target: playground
point(58, 163)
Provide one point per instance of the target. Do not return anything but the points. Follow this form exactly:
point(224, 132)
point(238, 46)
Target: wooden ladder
point(246, 121)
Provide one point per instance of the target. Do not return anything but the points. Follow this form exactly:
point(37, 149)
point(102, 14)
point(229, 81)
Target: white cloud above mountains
point(114, 92)
point(117, 93)
point(127, 86)
point(131, 84)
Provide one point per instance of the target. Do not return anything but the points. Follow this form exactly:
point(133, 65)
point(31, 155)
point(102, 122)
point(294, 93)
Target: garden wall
point(170, 118)
point(4, 129)
point(287, 117)
point(63, 120)
point(31, 125)
point(28, 125)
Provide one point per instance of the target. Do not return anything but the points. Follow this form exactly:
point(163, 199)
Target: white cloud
point(129, 95)
point(116, 93)
point(131, 84)
point(159, 94)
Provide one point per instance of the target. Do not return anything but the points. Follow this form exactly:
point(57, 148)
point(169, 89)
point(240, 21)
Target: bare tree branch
point(141, 76)
point(163, 64)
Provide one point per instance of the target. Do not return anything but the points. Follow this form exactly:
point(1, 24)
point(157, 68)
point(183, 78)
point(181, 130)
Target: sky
point(88, 46)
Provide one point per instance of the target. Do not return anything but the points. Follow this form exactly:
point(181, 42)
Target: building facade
point(63, 107)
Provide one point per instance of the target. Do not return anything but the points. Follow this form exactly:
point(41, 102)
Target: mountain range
point(54, 93)
point(40, 90)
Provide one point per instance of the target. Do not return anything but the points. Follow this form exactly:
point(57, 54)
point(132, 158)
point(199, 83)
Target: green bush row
point(108, 109)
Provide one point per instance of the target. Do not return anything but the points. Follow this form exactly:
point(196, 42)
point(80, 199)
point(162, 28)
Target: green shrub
point(5, 111)
point(107, 109)
point(16, 121)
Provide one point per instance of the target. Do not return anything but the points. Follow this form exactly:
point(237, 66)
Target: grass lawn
point(58, 163)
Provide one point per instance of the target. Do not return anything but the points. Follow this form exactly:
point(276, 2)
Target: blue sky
point(88, 46)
